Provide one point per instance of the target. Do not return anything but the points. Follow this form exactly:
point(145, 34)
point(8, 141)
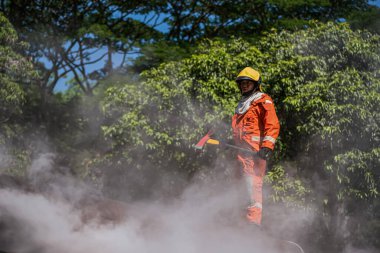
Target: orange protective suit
point(255, 127)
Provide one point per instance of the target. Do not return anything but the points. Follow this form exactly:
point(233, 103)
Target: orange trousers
point(253, 172)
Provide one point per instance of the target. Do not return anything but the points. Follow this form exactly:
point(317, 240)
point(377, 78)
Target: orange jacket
point(258, 127)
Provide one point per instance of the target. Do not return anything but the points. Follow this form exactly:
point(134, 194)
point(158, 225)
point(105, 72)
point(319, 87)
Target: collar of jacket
point(246, 101)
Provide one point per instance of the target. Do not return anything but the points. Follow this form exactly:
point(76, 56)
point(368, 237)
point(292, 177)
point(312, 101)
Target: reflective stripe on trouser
point(253, 173)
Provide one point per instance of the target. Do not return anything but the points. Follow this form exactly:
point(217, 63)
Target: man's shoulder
point(265, 98)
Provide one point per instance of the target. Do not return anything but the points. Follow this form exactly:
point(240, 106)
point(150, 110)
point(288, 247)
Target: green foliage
point(15, 72)
point(223, 18)
point(78, 39)
point(356, 174)
point(154, 54)
point(328, 82)
point(368, 20)
point(14, 69)
point(287, 189)
point(25, 116)
point(334, 93)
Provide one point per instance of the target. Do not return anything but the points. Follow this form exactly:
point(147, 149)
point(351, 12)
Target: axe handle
point(245, 150)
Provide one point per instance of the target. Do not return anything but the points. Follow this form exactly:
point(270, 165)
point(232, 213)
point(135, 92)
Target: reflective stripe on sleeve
point(256, 138)
point(269, 138)
point(257, 204)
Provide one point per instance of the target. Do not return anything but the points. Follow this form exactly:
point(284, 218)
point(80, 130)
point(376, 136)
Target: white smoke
point(203, 219)
point(182, 226)
point(5, 159)
point(352, 249)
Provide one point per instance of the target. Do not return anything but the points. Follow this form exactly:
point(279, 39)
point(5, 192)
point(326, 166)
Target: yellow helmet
point(249, 73)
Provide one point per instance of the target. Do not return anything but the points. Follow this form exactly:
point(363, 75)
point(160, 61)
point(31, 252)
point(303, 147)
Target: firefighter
point(255, 126)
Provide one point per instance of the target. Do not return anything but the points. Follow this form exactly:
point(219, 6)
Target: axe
point(208, 140)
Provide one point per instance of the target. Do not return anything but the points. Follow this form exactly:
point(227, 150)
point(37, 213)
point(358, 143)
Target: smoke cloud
point(61, 214)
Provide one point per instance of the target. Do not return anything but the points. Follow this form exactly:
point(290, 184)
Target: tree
point(330, 87)
point(81, 39)
point(16, 73)
point(67, 38)
point(71, 38)
point(21, 127)
point(368, 19)
point(187, 22)
point(12, 66)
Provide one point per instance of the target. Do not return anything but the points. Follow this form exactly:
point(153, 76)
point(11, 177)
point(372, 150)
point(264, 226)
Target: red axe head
point(203, 141)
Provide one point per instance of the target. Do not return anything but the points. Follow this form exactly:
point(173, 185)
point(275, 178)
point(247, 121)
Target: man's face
point(246, 86)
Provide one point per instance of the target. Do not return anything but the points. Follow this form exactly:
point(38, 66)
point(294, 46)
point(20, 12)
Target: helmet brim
point(241, 78)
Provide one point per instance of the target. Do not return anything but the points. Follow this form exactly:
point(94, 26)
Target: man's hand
point(265, 153)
